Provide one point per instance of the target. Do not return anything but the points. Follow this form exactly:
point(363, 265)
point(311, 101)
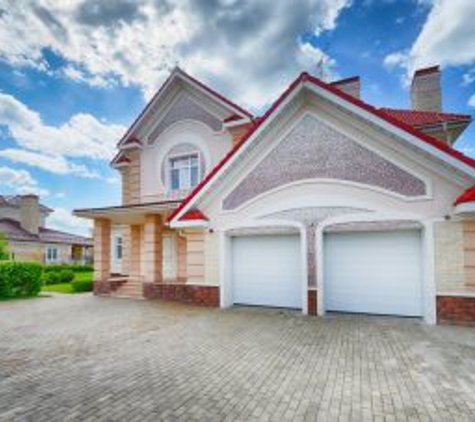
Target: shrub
point(66, 276)
point(51, 277)
point(81, 286)
point(19, 279)
point(72, 267)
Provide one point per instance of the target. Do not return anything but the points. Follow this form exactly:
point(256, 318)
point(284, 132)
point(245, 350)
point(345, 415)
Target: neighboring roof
point(424, 118)
point(183, 74)
point(13, 230)
point(345, 81)
point(467, 196)
point(300, 80)
point(15, 201)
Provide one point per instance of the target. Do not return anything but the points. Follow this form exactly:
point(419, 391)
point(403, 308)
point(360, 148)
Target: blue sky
point(74, 75)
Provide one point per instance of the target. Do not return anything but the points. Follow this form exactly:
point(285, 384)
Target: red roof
point(132, 140)
point(193, 214)
point(232, 118)
point(305, 77)
point(422, 118)
point(467, 196)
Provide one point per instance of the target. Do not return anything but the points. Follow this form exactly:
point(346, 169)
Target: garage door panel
point(266, 270)
point(374, 272)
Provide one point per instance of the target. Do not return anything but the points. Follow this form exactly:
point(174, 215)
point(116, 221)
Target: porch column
point(135, 252)
point(102, 253)
point(153, 233)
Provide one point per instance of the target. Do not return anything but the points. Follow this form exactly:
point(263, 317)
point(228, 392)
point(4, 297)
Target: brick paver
point(87, 358)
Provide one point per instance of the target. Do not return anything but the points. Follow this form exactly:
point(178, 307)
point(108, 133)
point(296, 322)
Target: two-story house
point(324, 203)
point(23, 223)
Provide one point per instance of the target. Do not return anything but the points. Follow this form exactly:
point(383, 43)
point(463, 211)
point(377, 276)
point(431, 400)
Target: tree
point(4, 254)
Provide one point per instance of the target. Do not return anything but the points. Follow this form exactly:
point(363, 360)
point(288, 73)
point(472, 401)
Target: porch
point(136, 255)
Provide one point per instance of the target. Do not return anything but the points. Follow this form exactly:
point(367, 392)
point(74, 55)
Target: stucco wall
point(196, 136)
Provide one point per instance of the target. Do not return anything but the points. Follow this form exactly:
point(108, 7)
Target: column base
point(312, 302)
point(186, 293)
point(456, 310)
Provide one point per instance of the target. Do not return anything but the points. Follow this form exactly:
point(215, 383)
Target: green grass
point(57, 288)
point(66, 287)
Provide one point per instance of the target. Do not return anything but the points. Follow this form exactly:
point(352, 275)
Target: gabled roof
point(13, 230)
point(193, 214)
point(418, 118)
point(179, 73)
point(304, 78)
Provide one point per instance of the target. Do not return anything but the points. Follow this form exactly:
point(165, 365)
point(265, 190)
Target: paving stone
point(84, 358)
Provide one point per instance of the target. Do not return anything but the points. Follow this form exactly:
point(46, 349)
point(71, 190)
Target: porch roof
point(128, 214)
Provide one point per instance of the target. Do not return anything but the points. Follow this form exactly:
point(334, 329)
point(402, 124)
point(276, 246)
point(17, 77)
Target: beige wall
point(25, 251)
point(449, 256)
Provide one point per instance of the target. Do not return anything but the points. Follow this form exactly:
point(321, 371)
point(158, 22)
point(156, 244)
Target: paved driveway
point(81, 357)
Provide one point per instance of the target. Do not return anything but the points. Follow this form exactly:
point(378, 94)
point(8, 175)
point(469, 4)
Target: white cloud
point(138, 42)
point(447, 37)
point(63, 220)
point(19, 182)
point(52, 163)
point(471, 101)
point(82, 136)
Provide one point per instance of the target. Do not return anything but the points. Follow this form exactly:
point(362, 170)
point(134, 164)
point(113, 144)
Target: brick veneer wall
point(312, 302)
point(457, 310)
point(105, 287)
point(193, 294)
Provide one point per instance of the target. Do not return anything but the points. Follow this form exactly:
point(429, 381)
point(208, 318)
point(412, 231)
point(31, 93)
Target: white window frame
point(50, 257)
point(170, 168)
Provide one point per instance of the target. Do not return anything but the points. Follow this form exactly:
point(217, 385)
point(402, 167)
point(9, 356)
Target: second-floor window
point(184, 172)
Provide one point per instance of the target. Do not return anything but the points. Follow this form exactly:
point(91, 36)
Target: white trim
point(189, 224)
point(428, 264)
point(465, 208)
point(456, 294)
point(302, 182)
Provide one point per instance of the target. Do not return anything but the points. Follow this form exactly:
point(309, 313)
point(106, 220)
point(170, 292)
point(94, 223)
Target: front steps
point(132, 288)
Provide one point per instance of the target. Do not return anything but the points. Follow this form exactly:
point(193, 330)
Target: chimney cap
point(427, 70)
point(346, 80)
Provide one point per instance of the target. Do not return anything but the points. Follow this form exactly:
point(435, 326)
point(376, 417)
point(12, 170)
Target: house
point(324, 203)
point(23, 222)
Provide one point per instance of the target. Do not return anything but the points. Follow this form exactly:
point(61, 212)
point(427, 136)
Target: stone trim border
point(186, 293)
point(456, 310)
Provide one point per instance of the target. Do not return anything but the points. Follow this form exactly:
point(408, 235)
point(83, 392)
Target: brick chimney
point(351, 86)
point(426, 92)
point(30, 213)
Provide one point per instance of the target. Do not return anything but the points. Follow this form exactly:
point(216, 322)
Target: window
point(52, 254)
point(184, 172)
point(118, 248)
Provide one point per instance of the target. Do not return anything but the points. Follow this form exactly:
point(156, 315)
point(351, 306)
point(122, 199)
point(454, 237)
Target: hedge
point(81, 286)
point(77, 268)
point(19, 279)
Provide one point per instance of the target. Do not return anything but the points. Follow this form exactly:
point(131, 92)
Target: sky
point(74, 74)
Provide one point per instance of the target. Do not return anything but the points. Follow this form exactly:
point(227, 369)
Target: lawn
point(66, 287)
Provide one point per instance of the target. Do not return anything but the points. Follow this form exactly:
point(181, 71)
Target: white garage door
point(376, 272)
point(266, 270)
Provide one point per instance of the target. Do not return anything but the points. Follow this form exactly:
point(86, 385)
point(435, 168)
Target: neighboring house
point(324, 203)
point(23, 222)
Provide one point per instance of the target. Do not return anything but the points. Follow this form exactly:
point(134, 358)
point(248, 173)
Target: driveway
point(86, 358)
